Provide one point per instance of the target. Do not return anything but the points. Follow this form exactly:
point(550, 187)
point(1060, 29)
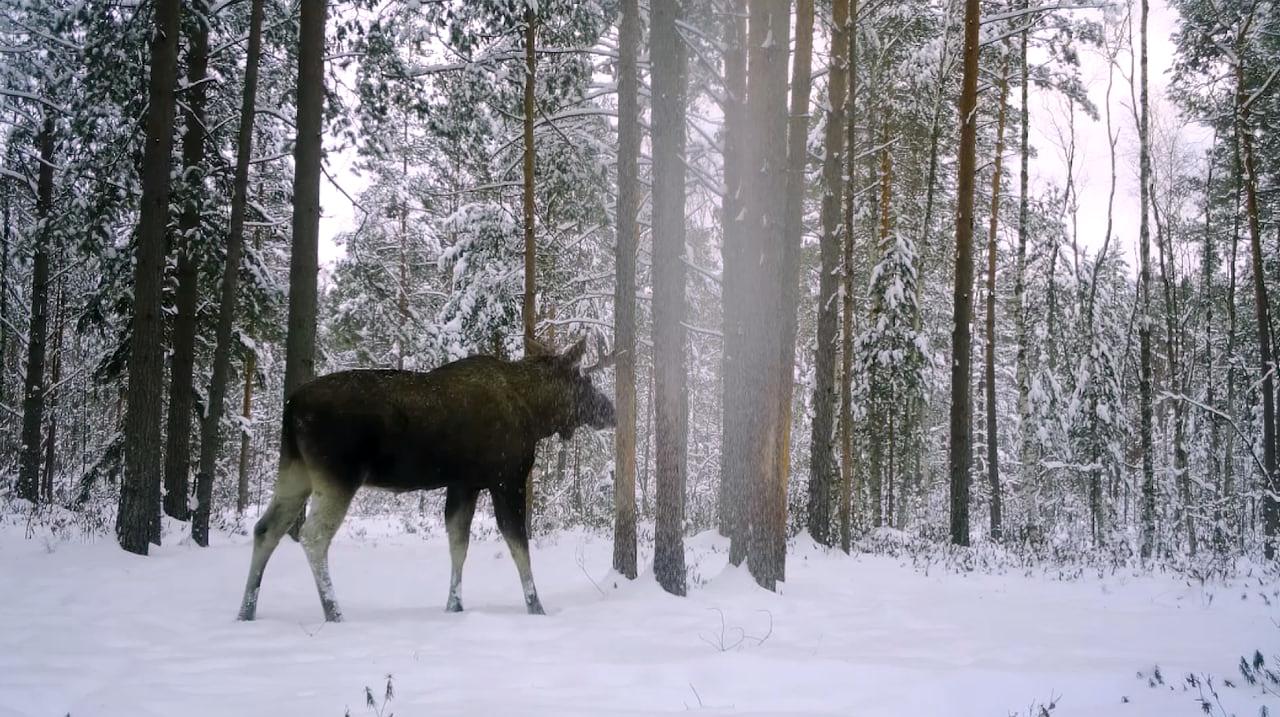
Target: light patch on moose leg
point(291, 491)
point(520, 554)
point(329, 506)
point(508, 508)
point(459, 507)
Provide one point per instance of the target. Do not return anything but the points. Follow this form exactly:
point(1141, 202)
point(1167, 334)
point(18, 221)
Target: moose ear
point(534, 347)
point(574, 354)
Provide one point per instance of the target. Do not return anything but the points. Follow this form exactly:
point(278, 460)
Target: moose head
point(584, 404)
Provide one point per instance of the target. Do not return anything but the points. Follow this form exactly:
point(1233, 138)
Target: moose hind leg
point(329, 505)
point(459, 507)
point(508, 508)
point(291, 491)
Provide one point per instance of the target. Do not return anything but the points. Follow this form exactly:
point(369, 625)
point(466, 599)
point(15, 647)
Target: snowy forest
point(964, 282)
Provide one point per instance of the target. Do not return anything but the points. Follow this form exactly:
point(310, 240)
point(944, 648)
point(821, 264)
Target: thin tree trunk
point(797, 156)
point(1228, 458)
point(667, 53)
point(51, 399)
point(847, 492)
point(33, 385)
point(177, 456)
point(960, 451)
point(1022, 370)
point(210, 435)
point(138, 522)
point(300, 343)
point(1208, 261)
point(624, 479)
point(1182, 476)
point(993, 443)
point(882, 411)
point(1144, 302)
point(246, 414)
point(528, 309)
point(734, 292)
point(1271, 480)
point(822, 469)
point(5, 244)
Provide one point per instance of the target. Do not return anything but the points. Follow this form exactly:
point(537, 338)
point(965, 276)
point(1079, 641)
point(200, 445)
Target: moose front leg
point(508, 508)
point(459, 507)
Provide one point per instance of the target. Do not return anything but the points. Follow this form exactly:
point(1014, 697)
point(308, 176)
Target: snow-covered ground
point(88, 630)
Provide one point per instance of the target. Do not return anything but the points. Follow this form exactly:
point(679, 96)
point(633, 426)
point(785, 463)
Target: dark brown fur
point(467, 426)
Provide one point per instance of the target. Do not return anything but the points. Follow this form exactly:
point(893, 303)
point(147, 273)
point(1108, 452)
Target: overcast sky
point(1092, 173)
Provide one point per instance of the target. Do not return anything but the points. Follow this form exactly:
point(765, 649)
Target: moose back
point(468, 426)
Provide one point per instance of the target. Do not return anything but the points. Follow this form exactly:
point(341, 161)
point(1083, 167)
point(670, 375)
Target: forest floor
point(87, 629)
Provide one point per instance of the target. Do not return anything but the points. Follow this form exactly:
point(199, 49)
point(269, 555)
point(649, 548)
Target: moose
point(467, 426)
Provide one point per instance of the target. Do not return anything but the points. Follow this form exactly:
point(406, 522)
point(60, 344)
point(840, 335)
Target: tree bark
point(210, 435)
point(822, 464)
point(734, 290)
point(1271, 480)
point(960, 450)
point(1148, 511)
point(528, 310)
point(33, 385)
point(667, 53)
point(624, 478)
point(847, 492)
point(797, 156)
point(246, 414)
point(766, 211)
point(993, 443)
point(51, 399)
point(137, 523)
point(1022, 370)
point(300, 343)
point(177, 456)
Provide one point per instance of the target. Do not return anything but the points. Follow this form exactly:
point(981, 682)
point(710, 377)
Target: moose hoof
point(535, 608)
point(453, 606)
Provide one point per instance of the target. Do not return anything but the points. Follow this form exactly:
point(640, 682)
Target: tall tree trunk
point(735, 291)
point(528, 309)
point(6, 230)
point(883, 405)
point(624, 298)
point(667, 51)
point(993, 443)
point(51, 399)
point(797, 156)
point(300, 344)
point(1208, 261)
point(33, 385)
point(847, 492)
point(1144, 302)
point(210, 436)
point(822, 468)
point(177, 456)
point(766, 182)
point(1271, 480)
point(139, 514)
point(1177, 409)
point(246, 415)
point(1022, 370)
point(961, 450)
